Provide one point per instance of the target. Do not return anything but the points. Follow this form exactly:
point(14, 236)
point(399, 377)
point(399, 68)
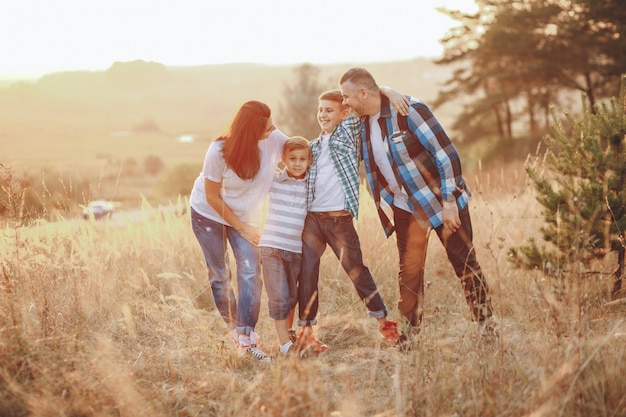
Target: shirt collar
point(284, 177)
point(384, 106)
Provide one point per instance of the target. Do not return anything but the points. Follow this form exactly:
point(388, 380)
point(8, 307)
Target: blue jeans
point(338, 232)
point(242, 311)
point(281, 270)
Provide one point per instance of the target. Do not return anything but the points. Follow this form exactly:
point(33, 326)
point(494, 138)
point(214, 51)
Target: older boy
point(333, 202)
point(280, 245)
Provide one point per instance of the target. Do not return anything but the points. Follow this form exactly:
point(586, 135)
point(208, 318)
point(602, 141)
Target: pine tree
point(581, 184)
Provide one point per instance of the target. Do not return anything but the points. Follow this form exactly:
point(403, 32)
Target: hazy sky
point(40, 36)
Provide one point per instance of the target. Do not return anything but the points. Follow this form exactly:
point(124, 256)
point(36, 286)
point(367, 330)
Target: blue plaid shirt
point(344, 146)
point(424, 162)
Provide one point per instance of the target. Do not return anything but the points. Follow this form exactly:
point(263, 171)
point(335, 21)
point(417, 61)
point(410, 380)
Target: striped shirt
point(285, 213)
point(424, 161)
point(344, 147)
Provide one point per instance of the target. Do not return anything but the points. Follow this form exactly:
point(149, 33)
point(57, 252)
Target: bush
point(178, 180)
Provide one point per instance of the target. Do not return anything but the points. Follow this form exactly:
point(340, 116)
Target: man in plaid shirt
point(414, 168)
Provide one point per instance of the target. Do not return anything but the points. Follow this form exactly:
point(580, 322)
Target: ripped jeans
point(242, 311)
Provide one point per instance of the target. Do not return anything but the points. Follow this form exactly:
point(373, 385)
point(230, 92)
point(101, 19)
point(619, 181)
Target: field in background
point(101, 126)
point(103, 319)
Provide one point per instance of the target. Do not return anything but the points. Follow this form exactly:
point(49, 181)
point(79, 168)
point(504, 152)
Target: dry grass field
point(115, 318)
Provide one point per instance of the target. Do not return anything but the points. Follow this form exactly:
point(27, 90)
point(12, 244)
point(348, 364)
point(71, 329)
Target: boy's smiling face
point(329, 114)
point(296, 162)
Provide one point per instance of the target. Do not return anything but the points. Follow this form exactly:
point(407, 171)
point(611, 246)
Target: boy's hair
point(332, 95)
point(296, 142)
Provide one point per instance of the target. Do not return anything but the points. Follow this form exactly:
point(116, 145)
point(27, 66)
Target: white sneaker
point(257, 353)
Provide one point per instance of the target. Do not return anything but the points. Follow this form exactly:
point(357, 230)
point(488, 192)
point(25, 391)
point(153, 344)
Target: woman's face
point(268, 129)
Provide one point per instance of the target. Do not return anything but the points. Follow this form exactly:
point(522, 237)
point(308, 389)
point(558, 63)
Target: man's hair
point(332, 95)
point(360, 77)
point(295, 143)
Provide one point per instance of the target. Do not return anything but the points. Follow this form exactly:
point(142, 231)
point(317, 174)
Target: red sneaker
point(308, 344)
point(389, 331)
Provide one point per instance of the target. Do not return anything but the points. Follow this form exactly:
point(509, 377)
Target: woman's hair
point(241, 143)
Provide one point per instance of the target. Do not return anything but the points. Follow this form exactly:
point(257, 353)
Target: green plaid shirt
point(344, 147)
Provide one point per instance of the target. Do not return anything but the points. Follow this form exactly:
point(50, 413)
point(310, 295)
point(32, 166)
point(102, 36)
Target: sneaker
point(389, 331)
point(233, 337)
point(308, 344)
point(293, 336)
point(258, 354)
point(291, 350)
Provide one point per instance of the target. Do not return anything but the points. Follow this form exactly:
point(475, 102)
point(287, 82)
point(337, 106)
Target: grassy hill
point(70, 107)
point(99, 127)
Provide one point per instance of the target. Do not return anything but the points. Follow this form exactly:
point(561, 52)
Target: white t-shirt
point(329, 194)
point(244, 197)
point(380, 149)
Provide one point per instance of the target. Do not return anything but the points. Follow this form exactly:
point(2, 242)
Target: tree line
point(515, 60)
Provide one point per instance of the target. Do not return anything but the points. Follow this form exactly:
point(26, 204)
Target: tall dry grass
point(116, 319)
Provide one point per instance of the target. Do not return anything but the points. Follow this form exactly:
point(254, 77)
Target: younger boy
point(333, 202)
point(281, 242)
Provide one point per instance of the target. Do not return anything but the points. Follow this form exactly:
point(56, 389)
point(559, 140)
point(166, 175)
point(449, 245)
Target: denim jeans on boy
point(243, 310)
point(281, 269)
point(338, 232)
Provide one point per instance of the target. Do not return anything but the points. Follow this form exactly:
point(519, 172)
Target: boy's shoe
point(233, 337)
point(292, 351)
point(293, 336)
point(308, 345)
point(258, 354)
point(389, 331)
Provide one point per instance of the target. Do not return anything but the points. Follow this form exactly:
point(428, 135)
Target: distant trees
point(297, 114)
point(516, 58)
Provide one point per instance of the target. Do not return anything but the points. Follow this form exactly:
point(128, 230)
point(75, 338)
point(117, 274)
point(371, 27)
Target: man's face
point(353, 97)
point(330, 114)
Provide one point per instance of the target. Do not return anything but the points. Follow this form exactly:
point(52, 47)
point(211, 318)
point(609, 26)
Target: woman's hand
point(251, 234)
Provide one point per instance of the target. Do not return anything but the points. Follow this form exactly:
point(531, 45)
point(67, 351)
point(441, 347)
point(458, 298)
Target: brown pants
point(412, 241)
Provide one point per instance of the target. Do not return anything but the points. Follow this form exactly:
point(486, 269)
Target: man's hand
point(451, 220)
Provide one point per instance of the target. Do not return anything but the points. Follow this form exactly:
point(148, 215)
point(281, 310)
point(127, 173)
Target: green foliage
point(581, 184)
point(517, 59)
point(153, 165)
point(178, 180)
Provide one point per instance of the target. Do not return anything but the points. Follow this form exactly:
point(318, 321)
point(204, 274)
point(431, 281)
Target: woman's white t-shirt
point(244, 197)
